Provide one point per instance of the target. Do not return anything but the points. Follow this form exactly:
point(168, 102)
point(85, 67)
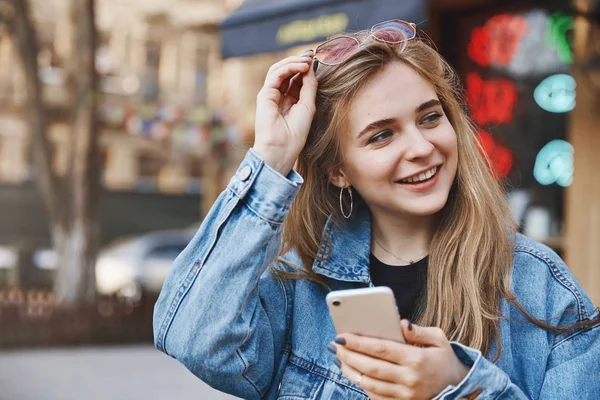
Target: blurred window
point(149, 166)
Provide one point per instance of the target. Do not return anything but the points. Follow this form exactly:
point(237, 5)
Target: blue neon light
point(554, 164)
point(556, 93)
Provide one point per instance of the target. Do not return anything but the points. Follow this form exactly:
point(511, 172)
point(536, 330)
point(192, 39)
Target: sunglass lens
point(395, 31)
point(335, 50)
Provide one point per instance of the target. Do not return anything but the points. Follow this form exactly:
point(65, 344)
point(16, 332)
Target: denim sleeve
point(571, 365)
point(220, 312)
point(484, 379)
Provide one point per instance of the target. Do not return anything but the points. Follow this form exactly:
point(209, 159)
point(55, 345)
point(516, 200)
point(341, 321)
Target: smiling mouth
point(423, 177)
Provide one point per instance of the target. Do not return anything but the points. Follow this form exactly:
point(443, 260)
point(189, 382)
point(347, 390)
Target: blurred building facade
point(179, 83)
point(160, 114)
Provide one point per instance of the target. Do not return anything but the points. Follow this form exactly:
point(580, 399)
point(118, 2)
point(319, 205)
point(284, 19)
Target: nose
point(417, 145)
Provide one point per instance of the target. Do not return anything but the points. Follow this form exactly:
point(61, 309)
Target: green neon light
point(558, 35)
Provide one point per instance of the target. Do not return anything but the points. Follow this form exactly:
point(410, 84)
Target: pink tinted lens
point(336, 50)
point(393, 31)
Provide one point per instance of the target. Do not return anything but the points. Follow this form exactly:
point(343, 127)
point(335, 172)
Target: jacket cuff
point(264, 190)
point(484, 379)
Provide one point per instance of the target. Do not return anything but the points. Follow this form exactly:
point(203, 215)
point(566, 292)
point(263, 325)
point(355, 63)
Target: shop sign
point(307, 30)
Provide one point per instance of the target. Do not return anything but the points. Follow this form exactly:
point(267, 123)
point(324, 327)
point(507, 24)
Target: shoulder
point(545, 286)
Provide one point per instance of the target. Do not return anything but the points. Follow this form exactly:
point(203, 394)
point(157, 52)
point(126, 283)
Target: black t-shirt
point(407, 282)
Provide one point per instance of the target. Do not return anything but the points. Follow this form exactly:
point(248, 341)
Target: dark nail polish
point(340, 340)
point(315, 65)
point(338, 363)
point(409, 326)
point(331, 348)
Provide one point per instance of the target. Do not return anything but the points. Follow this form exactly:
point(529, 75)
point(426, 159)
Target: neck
point(407, 238)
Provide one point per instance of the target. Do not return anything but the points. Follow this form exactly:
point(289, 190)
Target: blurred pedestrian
point(374, 178)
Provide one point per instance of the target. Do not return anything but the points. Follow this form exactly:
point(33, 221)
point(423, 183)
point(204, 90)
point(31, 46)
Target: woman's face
point(398, 133)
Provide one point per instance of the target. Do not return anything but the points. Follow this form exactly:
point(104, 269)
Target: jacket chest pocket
point(301, 380)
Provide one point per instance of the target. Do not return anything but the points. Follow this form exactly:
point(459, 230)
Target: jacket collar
point(345, 249)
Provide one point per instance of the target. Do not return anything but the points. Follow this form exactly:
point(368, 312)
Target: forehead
point(395, 92)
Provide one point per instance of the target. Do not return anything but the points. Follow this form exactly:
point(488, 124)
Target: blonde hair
point(470, 259)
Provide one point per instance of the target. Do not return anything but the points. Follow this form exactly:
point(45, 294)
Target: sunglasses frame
point(370, 31)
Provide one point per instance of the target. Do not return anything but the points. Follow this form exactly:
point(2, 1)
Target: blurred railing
point(32, 318)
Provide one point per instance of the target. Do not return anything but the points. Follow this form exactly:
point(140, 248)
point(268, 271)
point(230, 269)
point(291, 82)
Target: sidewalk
point(98, 373)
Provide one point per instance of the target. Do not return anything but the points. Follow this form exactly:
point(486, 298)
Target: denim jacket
point(244, 331)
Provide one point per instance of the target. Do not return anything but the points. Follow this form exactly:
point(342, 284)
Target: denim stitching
point(575, 334)
point(189, 279)
point(315, 369)
point(248, 336)
point(241, 357)
point(559, 277)
point(259, 215)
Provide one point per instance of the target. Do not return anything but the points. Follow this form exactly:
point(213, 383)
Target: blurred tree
point(71, 201)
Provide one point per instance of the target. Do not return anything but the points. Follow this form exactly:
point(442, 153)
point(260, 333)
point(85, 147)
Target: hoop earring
point(351, 202)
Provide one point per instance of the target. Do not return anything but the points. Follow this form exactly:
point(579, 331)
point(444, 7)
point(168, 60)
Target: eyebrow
point(382, 123)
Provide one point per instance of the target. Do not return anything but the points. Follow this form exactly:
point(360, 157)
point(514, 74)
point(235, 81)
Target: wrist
point(277, 159)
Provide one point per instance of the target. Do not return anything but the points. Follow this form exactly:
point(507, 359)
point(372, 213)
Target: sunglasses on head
point(338, 49)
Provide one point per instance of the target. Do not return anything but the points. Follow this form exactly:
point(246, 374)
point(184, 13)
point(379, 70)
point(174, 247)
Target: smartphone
point(366, 312)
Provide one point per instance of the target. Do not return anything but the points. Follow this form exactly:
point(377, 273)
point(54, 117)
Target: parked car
point(132, 267)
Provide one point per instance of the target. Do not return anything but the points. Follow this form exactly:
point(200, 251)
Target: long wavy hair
point(473, 244)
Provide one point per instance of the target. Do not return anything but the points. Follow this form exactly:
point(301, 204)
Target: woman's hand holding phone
point(387, 369)
point(285, 107)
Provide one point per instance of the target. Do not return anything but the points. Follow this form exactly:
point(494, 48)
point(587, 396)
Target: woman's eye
point(380, 137)
point(431, 118)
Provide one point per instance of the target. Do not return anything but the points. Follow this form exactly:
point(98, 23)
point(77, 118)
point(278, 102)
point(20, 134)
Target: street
point(98, 373)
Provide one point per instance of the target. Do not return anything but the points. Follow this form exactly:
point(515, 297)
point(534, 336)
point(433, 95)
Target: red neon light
point(498, 40)
point(492, 101)
point(500, 158)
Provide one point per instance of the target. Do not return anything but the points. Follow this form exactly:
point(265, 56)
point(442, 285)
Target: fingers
point(275, 78)
point(373, 367)
point(308, 92)
point(280, 67)
point(388, 350)
point(291, 59)
point(427, 336)
point(375, 388)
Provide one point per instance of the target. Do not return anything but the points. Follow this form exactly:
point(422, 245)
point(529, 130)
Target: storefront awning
point(265, 26)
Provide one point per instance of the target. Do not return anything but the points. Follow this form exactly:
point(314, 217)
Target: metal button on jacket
point(244, 172)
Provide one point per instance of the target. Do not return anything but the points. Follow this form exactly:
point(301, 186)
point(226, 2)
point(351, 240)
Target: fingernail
point(315, 65)
point(409, 325)
point(306, 55)
point(340, 340)
point(331, 348)
point(338, 363)
point(307, 51)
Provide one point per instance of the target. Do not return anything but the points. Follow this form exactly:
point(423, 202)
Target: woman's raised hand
point(285, 107)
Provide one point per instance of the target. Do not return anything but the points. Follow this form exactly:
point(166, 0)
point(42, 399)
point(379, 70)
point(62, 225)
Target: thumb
point(426, 336)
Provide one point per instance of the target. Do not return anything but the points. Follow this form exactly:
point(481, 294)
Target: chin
point(425, 209)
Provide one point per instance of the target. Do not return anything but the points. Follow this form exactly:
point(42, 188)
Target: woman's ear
point(338, 178)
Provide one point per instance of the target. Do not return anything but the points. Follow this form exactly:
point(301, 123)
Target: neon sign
point(500, 157)
point(492, 101)
point(557, 35)
point(556, 93)
point(498, 40)
point(554, 164)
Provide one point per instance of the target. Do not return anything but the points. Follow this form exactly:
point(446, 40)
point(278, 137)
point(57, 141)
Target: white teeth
point(421, 177)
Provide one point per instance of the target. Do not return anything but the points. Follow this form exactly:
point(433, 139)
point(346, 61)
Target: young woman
point(374, 178)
